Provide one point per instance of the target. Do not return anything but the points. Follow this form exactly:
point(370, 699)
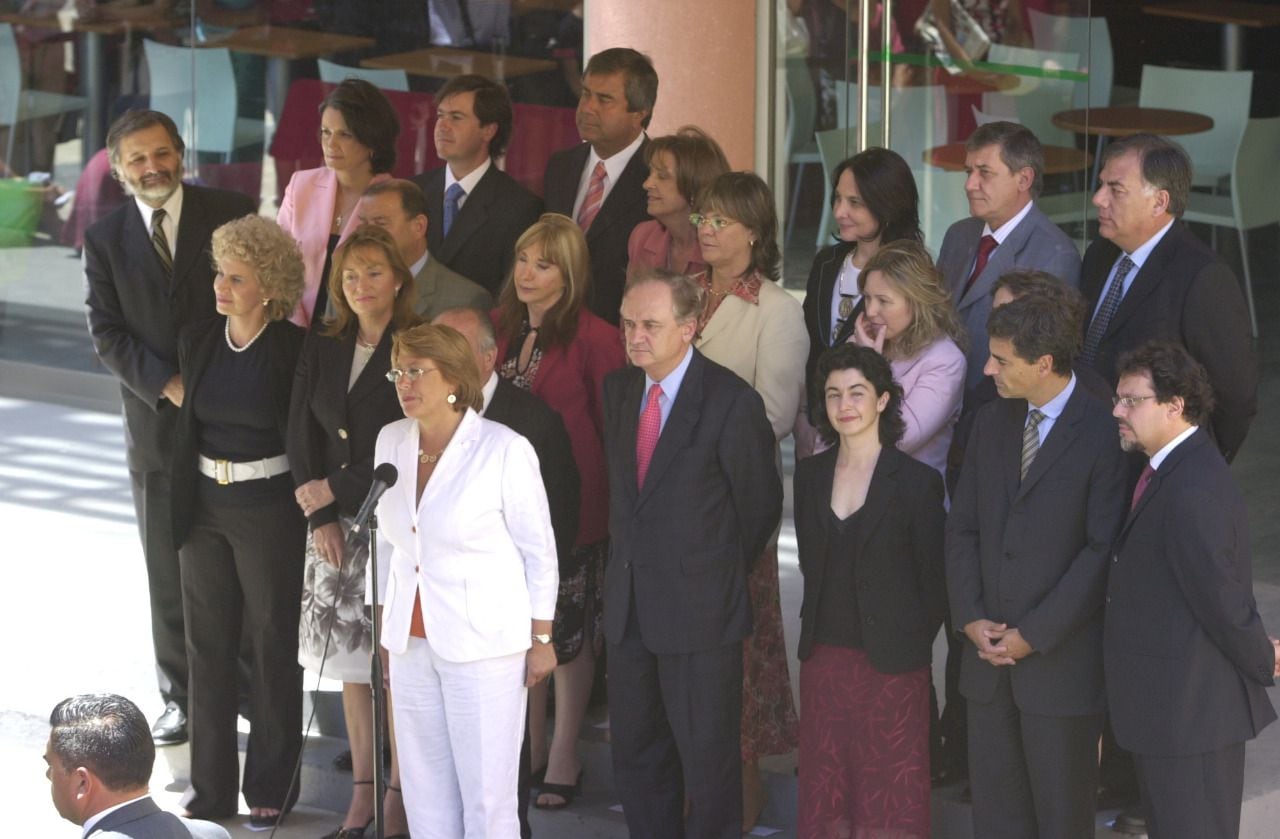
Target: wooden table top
point(1058, 160)
point(1256, 15)
point(102, 26)
point(283, 42)
point(1124, 121)
point(447, 62)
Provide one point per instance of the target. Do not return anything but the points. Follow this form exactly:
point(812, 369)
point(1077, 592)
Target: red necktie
point(1143, 480)
point(647, 433)
point(985, 246)
point(593, 199)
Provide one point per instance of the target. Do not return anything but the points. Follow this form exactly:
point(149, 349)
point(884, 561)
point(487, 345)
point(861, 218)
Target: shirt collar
point(614, 165)
point(416, 268)
point(101, 814)
point(1158, 457)
point(748, 289)
point(468, 183)
point(1002, 232)
point(1053, 408)
point(172, 208)
point(1144, 250)
point(671, 384)
point(486, 392)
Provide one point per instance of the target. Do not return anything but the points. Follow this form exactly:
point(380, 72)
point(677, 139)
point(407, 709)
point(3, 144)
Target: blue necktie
point(452, 196)
point(1110, 303)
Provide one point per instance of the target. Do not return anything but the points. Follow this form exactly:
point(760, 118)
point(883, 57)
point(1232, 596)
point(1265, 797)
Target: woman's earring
point(265, 302)
point(397, 291)
point(452, 398)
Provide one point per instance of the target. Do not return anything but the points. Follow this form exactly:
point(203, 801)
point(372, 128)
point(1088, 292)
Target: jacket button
point(414, 528)
point(342, 432)
point(871, 621)
point(343, 466)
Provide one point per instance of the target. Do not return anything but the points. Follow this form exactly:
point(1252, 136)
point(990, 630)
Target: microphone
point(384, 478)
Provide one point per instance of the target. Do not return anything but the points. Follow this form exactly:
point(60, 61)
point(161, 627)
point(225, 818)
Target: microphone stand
point(379, 695)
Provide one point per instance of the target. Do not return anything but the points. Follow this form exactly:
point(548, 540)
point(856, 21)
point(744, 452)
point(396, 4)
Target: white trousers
point(458, 728)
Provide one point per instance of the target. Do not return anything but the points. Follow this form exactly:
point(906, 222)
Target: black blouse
point(837, 622)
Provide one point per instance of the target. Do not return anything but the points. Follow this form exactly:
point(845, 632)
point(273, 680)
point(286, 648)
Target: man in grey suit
point(1040, 497)
point(399, 207)
point(1005, 166)
point(100, 755)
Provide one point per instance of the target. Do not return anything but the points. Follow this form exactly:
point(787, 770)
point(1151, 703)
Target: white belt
point(225, 472)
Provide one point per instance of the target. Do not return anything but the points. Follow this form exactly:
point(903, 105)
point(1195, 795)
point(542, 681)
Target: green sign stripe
point(928, 60)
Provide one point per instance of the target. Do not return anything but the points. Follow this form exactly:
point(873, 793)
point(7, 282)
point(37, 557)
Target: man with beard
point(148, 272)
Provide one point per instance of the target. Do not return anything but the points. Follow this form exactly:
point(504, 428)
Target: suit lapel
point(627, 190)
point(879, 495)
point(1171, 463)
point(1013, 419)
point(1059, 440)
point(628, 426)
point(193, 235)
point(473, 215)
point(828, 271)
point(372, 377)
point(678, 429)
point(1153, 270)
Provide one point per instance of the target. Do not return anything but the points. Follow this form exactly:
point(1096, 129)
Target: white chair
point(18, 105)
point(1255, 183)
point(1035, 99)
point(920, 120)
point(197, 88)
point(847, 103)
point(386, 79)
point(1087, 37)
point(802, 115)
point(1219, 94)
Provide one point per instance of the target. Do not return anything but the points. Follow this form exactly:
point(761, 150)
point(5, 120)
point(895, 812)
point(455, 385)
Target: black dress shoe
point(265, 820)
point(171, 727)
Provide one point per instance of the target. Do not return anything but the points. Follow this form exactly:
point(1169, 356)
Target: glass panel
point(243, 80)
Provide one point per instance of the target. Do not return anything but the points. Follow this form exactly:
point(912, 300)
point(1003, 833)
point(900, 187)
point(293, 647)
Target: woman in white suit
point(470, 590)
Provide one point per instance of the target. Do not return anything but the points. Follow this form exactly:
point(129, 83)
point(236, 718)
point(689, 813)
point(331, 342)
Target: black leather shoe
point(171, 727)
point(1131, 822)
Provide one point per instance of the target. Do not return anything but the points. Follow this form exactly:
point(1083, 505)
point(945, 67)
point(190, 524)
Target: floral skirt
point(579, 619)
point(864, 749)
point(335, 631)
point(769, 725)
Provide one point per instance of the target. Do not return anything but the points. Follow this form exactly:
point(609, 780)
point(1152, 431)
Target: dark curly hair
point(1039, 325)
point(876, 370)
point(1173, 373)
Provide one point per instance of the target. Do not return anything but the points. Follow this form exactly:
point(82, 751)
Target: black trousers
point(242, 566)
point(675, 722)
point(151, 495)
point(1193, 796)
point(1032, 776)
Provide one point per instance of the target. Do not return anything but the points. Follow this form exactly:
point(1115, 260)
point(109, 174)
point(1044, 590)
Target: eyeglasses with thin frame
point(717, 224)
point(412, 374)
point(1130, 401)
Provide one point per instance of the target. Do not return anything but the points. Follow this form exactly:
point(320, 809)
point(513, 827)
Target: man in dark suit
point(694, 495)
point(521, 411)
point(600, 183)
point(1149, 278)
point(1187, 659)
point(100, 756)
point(148, 272)
point(399, 207)
point(1005, 230)
point(1040, 496)
point(476, 212)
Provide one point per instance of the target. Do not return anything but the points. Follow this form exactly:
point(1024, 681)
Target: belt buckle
point(222, 472)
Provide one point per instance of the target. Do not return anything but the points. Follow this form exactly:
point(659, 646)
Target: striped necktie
point(160, 242)
point(1110, 303)
point(593, 199)
point(1030, 440)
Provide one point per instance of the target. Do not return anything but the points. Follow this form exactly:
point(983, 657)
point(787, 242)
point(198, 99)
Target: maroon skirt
point(864, 749)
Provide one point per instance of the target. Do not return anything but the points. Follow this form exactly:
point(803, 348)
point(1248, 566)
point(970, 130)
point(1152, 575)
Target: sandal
point(397, 790)
point(342, 832)
point(566, 792)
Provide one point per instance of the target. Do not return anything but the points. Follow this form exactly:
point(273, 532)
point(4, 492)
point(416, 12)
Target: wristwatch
point(541, 639)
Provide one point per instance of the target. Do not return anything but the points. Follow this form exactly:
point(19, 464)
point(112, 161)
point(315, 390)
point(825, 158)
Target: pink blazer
point(648, 248)
point(933, 387)
point(571, 380)
point(307, 214)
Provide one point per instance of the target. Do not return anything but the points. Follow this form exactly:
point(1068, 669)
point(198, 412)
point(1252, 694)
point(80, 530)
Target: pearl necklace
point(227, 332)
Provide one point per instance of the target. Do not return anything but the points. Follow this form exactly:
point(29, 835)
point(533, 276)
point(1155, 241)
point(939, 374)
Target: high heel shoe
point(566, 792)
point(396, 835)
point(350, 832)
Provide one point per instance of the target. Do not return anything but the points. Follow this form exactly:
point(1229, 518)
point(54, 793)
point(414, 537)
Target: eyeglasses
point(717, 224)
point(412, 374)
point(1130, 401)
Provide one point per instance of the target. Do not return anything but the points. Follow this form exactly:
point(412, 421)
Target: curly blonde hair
point(272, 254)
point(907, 266)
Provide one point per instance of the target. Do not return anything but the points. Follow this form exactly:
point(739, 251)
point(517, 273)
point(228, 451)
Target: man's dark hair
point(640, 79)
point(412, 201)
point(492, 106)
point(1173, 373)
point(876, 370)
point(1040, 324)
point(1024, 281)
point(1165, 165)
point(370, 117)
point(133, 121)
point(888, 188)
point(107, 735)
point(1019, 148)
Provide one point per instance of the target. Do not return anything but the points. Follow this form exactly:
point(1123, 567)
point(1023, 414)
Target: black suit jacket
point(481, 244)
point(332, 430)
point(1033, 553)
point(1186, 294)
point(282, 341)
point(1187, 658)
point(681, 546)
point(817, 315)
point(624, 208)
point(144, 819)
point(897, 560)
point(135, 312)
point(537, 422)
